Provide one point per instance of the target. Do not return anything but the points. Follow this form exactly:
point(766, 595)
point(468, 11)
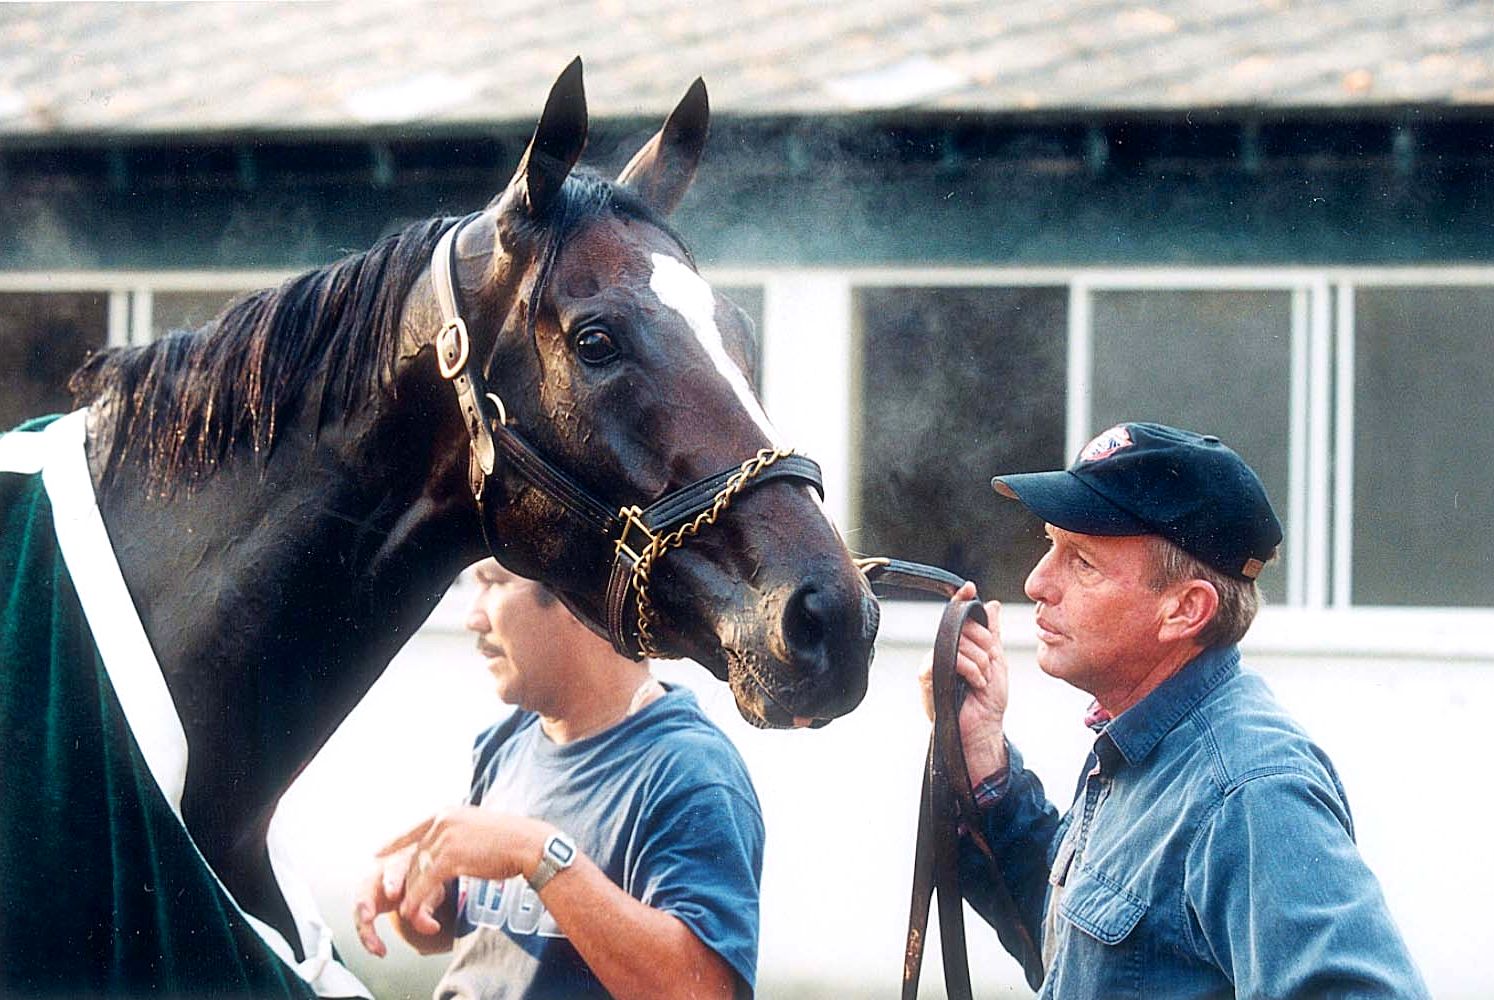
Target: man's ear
point(1191, 606)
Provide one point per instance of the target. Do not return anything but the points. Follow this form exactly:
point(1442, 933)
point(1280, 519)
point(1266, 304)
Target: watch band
point(556, 856)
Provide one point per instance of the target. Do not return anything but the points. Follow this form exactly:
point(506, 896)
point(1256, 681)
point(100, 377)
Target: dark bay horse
point(290, 490)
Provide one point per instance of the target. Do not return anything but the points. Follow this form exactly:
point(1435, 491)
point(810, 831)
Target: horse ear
point(557, 143)
point(662, 170)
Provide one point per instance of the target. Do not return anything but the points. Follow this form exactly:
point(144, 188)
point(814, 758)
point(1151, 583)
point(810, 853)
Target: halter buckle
point(451, 348)
point(632, 519)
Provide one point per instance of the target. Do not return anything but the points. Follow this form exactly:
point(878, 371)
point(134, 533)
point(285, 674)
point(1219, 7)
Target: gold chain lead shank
point(660, 544)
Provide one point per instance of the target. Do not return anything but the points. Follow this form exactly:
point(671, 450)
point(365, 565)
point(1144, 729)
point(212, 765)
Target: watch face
point(560, 850)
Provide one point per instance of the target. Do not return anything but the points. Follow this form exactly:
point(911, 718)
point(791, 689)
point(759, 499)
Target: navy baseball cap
point(1150, 479)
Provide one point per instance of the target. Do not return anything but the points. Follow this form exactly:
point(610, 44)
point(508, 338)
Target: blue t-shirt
point(661, 802)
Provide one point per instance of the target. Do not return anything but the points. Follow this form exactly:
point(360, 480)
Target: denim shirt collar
point(1136, 732)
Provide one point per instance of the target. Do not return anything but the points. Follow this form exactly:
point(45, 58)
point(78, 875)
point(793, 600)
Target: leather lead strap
point(937, 861)
point(946, 805)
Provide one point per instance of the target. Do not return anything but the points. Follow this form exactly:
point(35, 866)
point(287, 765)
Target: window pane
point(43, 337)
point(958, 385)
point(186, 310)
point(1423, 425)
point(1217, 362)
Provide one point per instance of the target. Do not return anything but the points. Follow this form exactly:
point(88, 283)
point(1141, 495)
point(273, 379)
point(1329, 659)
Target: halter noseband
point(638, 536)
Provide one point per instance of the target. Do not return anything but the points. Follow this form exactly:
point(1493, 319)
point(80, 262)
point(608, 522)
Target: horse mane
point(182, 402)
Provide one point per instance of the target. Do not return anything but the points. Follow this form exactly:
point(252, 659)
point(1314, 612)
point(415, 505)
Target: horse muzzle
point(819, 648)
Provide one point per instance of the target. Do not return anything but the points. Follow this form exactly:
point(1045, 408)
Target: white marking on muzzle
point(688, 294)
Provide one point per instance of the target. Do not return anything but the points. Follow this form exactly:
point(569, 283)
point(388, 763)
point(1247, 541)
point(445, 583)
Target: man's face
point(1097, 615)
point(521, 632)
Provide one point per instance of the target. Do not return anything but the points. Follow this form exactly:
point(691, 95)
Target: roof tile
point(286, 64)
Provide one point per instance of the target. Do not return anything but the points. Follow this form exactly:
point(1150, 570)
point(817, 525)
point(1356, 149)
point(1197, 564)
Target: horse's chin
point(756, 704)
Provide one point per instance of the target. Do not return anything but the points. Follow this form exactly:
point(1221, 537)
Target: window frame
point(131, 293)
point(1318, 616)
point(810, 358)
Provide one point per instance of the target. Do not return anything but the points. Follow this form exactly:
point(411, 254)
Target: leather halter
point(946, 807)
point(637, 535)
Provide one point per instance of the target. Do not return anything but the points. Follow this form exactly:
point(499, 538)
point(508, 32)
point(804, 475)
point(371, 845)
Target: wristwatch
point(556, 856)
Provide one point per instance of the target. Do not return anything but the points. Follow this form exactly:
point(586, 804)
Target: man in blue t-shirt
point(612, 844)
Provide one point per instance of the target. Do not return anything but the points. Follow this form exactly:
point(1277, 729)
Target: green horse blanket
point(105, 892)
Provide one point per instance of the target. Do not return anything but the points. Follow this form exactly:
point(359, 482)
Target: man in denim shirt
point(1209, 850)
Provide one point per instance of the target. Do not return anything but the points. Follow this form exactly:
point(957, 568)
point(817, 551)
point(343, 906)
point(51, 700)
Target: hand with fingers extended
point(981, 664)
point(379, 893)
point(412, 873)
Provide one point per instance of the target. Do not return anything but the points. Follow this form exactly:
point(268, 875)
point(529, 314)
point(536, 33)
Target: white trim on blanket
point(58, 452)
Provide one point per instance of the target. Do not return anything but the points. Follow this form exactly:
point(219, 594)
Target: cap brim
point(1062, 499)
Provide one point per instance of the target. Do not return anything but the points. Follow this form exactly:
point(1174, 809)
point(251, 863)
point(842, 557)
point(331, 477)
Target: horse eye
point(595, 346)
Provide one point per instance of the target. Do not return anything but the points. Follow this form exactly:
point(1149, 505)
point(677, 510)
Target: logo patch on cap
point(1107, 443)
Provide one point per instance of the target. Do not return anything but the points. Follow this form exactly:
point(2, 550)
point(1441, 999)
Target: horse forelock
point(327, 338)
point(585, 197)
point(672, 277)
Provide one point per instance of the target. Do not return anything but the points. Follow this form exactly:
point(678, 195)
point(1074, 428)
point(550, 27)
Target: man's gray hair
point(1239, 600)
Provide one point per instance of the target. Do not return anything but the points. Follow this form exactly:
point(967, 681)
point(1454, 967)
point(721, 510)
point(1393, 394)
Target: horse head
point(610, 357)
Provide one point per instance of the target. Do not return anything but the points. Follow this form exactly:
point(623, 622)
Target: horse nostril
point(804, 622)
point(827, 631)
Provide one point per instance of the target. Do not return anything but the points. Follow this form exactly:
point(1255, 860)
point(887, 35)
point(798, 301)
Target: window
point(957, 385)
point(43, 338)
point(1214, 361)
point(1423, 430)
point(1363, 404)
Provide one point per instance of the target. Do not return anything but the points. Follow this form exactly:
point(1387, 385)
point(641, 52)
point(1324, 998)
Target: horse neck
point(278, 590)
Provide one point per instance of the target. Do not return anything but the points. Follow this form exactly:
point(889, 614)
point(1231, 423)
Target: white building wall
point(841, 803)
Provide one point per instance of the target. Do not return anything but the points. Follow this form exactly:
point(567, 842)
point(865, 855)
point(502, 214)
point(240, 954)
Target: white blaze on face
point(688, 294)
